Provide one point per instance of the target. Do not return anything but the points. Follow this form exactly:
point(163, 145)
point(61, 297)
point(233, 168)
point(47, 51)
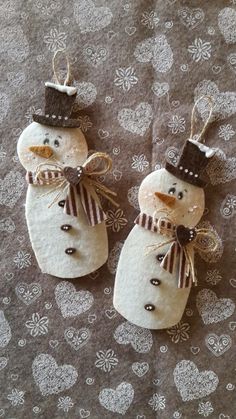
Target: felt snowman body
point(152, 286)
point(65, 246)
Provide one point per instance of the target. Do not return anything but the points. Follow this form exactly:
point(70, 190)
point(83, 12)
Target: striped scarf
point(177, 258)
point(92, 209)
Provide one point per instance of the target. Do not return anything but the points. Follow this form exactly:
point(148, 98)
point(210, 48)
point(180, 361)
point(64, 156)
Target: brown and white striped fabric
point(176, 259)
point(92, 209)
point(48, 177)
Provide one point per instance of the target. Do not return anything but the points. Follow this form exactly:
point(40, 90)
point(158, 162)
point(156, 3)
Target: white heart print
point(3, 362)
point(140, 368)
point(227, 24)
point(77, 338)
point(118, 400)
point(221, 169)
point(157, 51)
point(14, 43)
point(193, 384)
point(4, 106)
point(86, 94)
point(213, 309)
point(11, 188)
point(114, 257)
point(218, 345)
point(5, 330)
point(28, 293)
point(95, 54)
point(72, 303)
point(160, 89)
point(191, 17)
point(51, 378)
point(224, 103)
point(91, 18)
point(139, 338)
point(136, 121)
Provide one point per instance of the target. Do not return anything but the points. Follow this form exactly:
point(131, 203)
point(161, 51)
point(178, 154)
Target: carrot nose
point(42, 150)
point(167, 199)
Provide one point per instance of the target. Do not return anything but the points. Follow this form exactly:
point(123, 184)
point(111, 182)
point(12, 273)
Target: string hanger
point(67, 79)
point(206, 122)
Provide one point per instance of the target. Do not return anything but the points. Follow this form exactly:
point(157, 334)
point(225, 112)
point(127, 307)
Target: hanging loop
point(66, 81)
point(208, 119)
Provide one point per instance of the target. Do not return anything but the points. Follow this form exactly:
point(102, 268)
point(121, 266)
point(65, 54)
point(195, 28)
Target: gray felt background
point(152, 58)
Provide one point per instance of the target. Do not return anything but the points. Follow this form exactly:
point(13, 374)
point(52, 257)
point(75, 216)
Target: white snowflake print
point(139, 163)
point(116, 220)
point(37, 325)
point(226, 132)
point(179, 332)
point(205, 409)
point(85, 123)
point(150, 19)
point(16, 397)
point(106, 360)
point(200, 50)
point(55, 40)
point(176, 124)
point(213, 277)
point(22, 259)
point(65, 403)
point(157, 402)
point(126, 78)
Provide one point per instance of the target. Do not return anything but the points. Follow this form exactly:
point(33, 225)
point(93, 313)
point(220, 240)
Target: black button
point(155, 281)
point(66, 227)
point(149, 307)
point(160, 257)
point(62, 203)
point(70, 250)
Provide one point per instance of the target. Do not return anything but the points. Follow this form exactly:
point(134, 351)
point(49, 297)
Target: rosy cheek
point(27, 156)
point(147, 196)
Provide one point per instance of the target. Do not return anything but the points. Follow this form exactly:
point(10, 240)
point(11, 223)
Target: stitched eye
point(56, 143)
point(46, 141)
point(171, 191)
point(180, 195)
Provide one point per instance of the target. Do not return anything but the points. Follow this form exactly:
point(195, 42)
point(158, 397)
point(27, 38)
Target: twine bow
point(179, 257)
point(76, 181)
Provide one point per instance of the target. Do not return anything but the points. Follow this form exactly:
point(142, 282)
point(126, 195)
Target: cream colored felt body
point(133, 289)
point(49, 242)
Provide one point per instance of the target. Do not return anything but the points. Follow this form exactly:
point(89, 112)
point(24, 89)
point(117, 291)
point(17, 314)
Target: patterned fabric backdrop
point(138, 66)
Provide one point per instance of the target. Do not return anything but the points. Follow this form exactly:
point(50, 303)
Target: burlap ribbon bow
point(182, 242)
point(76, 181)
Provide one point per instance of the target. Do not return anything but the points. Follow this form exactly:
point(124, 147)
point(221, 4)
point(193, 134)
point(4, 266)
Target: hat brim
point(55, 122)
point(180, 174)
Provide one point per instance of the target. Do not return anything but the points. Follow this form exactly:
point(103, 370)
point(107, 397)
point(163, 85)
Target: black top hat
point(193, 160)
point(59, 100)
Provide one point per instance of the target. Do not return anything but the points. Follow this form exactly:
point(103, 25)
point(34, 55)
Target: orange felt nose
point(167, 199)
point(42, 150)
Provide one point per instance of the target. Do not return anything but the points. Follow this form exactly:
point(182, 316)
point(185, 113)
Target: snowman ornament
point(64, 216)
point(155, 271)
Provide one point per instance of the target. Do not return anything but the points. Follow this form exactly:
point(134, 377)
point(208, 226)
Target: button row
point(156, 282)
point(66, 227)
